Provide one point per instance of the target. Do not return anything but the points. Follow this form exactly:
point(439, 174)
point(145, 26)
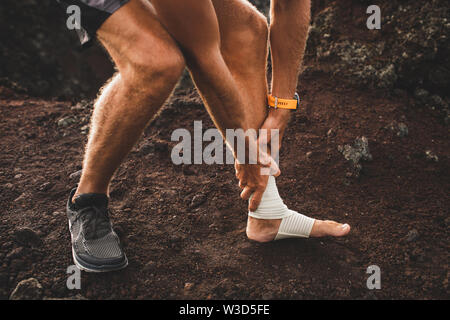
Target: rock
point(76, 175)
point(83, 105)
point(84, 129)
point(27, 237)
point(147, 148)
point(421, 59)
point(437, 102)
point(29, 289)
point(431, 156)
point(45, 186)
point(8, 186)
point(421, 95)
point(402, 130)
point(7, 245)
point(356, 153)
point(65, 122)
point(412, 235)
point(330, 133)
point(188, 286)
point(23, 196)
point(359, 150)
point(198, 200)
point(387, 77)
point(15, 253)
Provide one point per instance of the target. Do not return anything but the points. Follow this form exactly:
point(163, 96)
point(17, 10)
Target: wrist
point(283, 87)
point(281, 116)
point(280, 102)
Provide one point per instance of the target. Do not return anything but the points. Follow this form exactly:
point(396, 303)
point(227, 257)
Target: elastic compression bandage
point(293, 224)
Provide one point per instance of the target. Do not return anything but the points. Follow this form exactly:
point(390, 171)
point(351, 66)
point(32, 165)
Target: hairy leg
point(193, 24)
point(244, 46)
point(149, 64)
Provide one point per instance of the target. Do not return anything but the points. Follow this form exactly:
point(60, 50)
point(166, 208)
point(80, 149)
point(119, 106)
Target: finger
point(275, 170)
point(264, 159)
point(246, 193)
point(255, 200)
point(271, 170)
point(237, 169)
point(277, 174)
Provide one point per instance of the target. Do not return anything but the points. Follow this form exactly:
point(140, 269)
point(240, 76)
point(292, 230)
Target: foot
point(266, 230)
point(95, 245)
point(324, 228)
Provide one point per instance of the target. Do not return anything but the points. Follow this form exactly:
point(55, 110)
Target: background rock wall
point(410, 52)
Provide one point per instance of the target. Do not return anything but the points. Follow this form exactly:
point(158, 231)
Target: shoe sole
point(97, 269)
point(93, 268)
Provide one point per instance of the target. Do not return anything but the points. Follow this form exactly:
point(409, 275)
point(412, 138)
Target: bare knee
point(147, 73)
point(258, 29)
point(151, 66)
point(249, 39)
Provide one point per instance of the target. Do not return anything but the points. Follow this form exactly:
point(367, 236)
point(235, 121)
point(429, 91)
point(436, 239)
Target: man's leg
point(244, 46)
point(193, 24)
point(149, 64)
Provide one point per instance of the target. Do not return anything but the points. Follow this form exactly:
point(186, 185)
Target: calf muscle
point(149, 65)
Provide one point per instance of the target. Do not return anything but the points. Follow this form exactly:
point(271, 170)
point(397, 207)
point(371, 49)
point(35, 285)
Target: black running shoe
point(95, 245)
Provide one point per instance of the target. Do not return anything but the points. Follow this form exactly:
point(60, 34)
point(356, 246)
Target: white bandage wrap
point(293, 224)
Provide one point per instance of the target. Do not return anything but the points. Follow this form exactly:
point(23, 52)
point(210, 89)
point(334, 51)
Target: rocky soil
point(183, 227)
point(369, 147)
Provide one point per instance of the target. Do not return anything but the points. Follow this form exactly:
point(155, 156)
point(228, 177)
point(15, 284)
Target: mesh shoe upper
point(93, 238)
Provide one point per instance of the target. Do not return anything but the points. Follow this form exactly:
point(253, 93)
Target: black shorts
point(93, 14)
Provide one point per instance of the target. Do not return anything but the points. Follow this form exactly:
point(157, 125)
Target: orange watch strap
point(276, 102)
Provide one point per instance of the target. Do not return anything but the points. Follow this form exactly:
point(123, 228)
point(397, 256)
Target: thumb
point(272, 169)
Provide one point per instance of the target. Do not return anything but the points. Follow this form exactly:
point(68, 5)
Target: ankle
point(80, 191)
point(259, 237)
point(261, 230)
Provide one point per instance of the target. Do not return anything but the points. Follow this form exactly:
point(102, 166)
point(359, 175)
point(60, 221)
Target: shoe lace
point(95, 222)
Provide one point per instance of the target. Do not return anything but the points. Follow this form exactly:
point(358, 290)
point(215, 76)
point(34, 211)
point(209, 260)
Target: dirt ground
point(183, 227)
